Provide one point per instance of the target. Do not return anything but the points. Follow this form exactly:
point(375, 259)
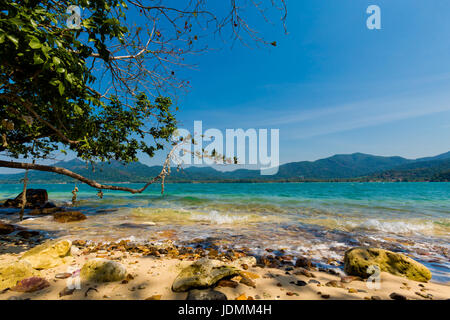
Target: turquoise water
point(318, 219)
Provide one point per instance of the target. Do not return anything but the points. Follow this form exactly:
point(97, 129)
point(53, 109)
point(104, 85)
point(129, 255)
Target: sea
point(320, 220)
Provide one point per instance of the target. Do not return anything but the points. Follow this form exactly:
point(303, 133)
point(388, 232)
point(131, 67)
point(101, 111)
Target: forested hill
point(353, 167)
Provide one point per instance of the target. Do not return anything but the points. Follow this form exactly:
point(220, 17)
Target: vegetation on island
point(341, 168)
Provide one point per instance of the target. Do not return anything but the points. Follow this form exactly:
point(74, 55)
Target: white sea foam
point(395, 226)
point(219, 218)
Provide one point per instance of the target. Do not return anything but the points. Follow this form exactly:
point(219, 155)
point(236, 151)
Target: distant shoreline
point(229, 182)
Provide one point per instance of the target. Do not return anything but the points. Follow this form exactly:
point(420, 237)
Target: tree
point(98, 89)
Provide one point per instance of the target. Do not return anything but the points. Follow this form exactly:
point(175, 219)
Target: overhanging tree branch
point(92, 183)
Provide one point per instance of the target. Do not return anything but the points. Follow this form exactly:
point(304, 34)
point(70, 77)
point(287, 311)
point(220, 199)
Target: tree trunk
point(24, 195)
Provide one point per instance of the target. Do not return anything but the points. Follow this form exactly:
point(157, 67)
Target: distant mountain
point(340, 166)
point(442, 156)
point(421, 170)
point(356, 166)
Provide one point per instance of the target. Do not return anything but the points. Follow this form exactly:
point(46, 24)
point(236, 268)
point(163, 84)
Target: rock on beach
point(201, 274)
point(48, 255)
point(102, 270)
point(357, 260)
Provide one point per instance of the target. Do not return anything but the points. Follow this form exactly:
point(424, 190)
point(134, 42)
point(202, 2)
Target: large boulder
point(49, 254)
point(68, 216)
point(102, 270)
point(202, 274)
point(357, 260)
point(35, 198)
point(11, 273)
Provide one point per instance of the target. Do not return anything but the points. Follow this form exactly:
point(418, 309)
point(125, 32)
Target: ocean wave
point(185, 216)
point(399, 227)
point(216, 217)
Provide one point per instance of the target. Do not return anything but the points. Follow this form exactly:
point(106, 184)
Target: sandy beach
point(150, 275)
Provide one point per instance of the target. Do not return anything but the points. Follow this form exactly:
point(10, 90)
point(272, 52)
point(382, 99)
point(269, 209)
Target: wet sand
point(152, 277)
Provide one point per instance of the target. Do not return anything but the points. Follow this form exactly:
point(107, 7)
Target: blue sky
point(333, 86)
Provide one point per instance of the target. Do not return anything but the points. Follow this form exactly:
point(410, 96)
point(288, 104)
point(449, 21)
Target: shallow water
point(318, 219)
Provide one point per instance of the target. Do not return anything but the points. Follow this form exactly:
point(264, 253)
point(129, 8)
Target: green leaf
point(60, 70)
point(78, 110)
point(61, 88)
point(2, 38)
point(56, 60)
point(70, 78)
point(13, 40)
point(35, 43)
point(37, 59)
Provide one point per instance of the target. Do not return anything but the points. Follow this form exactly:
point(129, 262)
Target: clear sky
point(332, 85)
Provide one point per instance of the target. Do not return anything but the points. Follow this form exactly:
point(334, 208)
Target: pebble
point(335, 284)
point(154, 297)
point(63, 275)
point(248, 282)
point(362, 290)
point(66, 292)
point(314, 281)
point(300, 283)
point(426, 296)
point(396, 296)
point(241, 297)
point(348, 279)
point(325, 296)
point(304, 272)
point(227, 283)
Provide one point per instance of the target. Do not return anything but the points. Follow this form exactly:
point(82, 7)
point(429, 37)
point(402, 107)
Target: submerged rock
point(49, 254)
point(11, 273)
point(202, 273)
point(68, 216)
point(27, 234)
point(6, 228)
point(35, 199)
point(357, 260)
point(31, 285)
point(45, 210)
point(103, 270)
point(208, 294)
